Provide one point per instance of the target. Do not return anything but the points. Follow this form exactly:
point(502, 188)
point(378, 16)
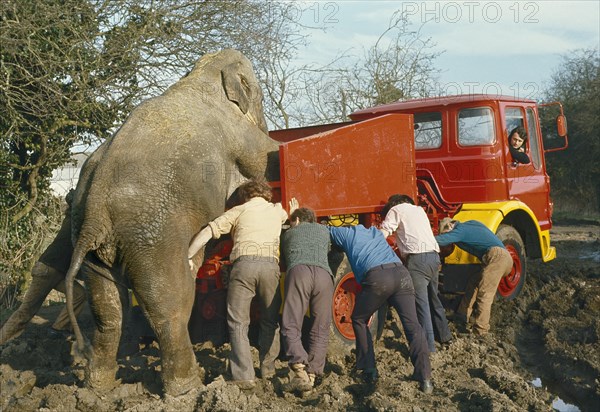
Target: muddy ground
point(544, 352)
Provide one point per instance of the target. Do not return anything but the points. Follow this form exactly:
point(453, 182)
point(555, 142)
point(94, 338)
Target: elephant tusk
point(251, 118)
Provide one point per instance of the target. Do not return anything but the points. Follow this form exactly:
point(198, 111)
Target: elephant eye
point(245, 83)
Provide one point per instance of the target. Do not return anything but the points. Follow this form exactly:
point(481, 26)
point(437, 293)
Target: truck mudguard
point(496, 213)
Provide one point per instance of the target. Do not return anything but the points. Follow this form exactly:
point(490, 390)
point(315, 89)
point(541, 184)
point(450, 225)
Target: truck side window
point(476, 127)
point(513, 117)
point(534, 147)
point(428, 130)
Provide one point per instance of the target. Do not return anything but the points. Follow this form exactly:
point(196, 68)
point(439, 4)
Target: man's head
point(302, 214)
point(517, 137)
point(255, 188)
point(395, 200)
point(447, 224)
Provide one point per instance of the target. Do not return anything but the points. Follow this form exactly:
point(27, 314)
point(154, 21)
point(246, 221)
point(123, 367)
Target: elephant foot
point(181, 386)
point(101, 379)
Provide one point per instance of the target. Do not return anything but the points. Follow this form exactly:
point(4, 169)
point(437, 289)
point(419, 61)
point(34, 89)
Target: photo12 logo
point(316, 12)
point(472, 11)
point(312, 172)
point(525, 90)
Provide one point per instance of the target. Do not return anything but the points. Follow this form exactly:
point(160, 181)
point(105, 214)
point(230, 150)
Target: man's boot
point(299, 379)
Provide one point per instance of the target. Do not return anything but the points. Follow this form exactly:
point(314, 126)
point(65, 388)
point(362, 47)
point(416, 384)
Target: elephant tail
point(82, 349)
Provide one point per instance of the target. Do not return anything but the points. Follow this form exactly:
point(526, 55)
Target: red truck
point(451, 153)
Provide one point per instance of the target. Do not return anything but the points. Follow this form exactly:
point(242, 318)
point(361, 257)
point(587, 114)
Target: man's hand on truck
point(293, 205)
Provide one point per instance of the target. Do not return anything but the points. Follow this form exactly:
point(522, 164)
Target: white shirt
point(412, 227)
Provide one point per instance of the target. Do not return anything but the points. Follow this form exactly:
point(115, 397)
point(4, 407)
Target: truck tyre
point(341, 337)
point(511, 285)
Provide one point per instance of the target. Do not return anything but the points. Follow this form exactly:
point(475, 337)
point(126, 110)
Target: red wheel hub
point(344, 297)
point(510, 282)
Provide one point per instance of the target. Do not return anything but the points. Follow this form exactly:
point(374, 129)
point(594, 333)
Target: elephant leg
point(167, 303)
point(43, 280)
point(105, 303)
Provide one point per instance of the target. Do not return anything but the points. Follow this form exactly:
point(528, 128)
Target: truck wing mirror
point(561, 125)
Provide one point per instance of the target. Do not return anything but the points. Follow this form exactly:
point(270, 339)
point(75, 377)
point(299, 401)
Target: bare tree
point(400, 65)
point(275, 68)
point(71, 72)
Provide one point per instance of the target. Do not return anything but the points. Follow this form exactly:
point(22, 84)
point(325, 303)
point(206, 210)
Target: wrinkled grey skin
point(144, 193)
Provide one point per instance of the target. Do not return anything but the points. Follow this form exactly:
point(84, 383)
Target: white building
point(65, 178)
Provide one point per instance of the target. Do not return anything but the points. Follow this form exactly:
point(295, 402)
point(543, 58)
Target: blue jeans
point(424, 271)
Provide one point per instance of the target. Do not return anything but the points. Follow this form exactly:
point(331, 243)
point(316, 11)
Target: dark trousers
point(424, 271)
point(250, 276)
point(307, 287)
point(389, 283)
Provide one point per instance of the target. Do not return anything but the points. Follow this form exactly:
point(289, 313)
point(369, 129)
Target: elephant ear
point(236, 85)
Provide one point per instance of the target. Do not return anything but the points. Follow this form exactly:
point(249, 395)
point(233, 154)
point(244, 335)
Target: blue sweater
point(472, 237)
point(365, 248)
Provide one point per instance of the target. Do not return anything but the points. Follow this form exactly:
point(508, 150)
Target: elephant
point(146, 191)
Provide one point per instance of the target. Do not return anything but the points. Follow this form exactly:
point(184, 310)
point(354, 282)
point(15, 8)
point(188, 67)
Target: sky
point(493, 47)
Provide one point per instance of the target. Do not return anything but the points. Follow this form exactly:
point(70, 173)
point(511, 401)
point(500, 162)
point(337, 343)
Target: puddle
point(595, 256)
point(558, 404)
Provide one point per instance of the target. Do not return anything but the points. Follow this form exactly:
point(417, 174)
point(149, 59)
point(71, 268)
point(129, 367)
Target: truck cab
point(465, 170)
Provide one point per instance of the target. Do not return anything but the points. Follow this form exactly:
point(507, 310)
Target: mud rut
point(550, 332)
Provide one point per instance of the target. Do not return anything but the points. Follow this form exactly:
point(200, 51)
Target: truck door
point(527, 182)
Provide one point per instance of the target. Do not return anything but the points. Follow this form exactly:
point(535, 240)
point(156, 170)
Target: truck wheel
point(511, 285)
point(341, 338)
